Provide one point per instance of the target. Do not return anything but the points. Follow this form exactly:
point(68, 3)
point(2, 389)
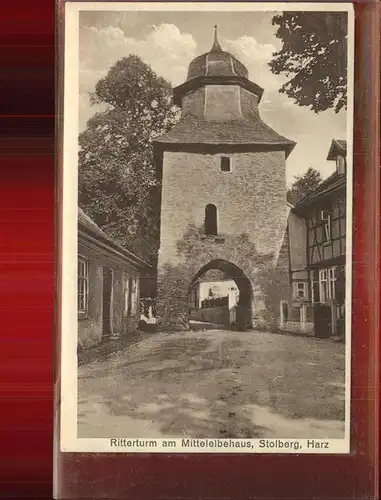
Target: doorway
point(322, 321)
point(220, 294)
point(107, 302)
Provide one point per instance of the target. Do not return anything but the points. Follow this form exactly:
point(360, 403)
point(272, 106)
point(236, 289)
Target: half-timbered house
point(317, 249)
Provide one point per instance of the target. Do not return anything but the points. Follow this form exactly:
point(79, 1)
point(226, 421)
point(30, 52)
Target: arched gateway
point(223, 196)
point(237, 313)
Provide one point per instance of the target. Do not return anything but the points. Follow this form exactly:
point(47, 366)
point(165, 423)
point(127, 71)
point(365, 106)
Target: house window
point(315, 289)
point(211, 220)
point(83, 285)
point(327, 284)
point(300, 290)
point(134, 296)
point(340, 165)
point(332, 282)
point(225, 164)
point(326, 219)
point(323, 285)
point(126, 294)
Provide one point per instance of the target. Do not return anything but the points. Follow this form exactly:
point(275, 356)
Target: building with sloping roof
point(317, 241)
point(223, 172)
point(108, 278)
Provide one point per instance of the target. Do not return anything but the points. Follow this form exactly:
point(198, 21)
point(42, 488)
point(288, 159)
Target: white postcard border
point(69, 441)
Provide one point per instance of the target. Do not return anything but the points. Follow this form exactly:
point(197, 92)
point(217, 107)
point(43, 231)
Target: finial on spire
point(216, 44)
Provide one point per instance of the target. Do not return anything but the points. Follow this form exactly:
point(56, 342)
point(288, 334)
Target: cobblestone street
point(215, 383)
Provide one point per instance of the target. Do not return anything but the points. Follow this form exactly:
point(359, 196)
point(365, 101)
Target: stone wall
point(267, 277)
point(251, 199)
point(216, 315)
point(277, 282)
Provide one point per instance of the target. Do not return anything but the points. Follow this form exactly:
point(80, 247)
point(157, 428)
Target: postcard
point(207, 227)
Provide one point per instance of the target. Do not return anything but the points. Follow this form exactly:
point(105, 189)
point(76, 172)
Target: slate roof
point(88, 226)
point(342, 144)
point(331, 183)
point(191, 130)
point(216, 62)
point(216, 67)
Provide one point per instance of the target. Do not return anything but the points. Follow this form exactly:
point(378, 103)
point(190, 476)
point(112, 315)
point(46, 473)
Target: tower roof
point(254, 132)
point(216, 62)
point(224, 111)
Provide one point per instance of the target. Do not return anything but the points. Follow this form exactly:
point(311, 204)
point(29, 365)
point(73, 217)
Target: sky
point(168, 41)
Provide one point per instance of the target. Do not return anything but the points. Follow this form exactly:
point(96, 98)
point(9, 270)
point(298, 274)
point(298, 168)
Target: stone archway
point(194, 252)
point(241, 316)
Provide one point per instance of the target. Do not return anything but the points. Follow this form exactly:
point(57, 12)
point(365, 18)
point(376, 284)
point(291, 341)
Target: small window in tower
point(225, 164)
point(211, 220)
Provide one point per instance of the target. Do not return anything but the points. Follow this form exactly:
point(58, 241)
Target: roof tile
point(191, 130)
point(86, 224)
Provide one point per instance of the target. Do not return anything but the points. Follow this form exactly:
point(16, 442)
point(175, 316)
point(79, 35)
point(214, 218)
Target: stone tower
point(223, 201)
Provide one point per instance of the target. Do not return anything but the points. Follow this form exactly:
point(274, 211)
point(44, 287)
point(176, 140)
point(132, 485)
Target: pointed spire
point(216, 45)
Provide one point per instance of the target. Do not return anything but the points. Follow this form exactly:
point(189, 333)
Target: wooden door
point(322, 321)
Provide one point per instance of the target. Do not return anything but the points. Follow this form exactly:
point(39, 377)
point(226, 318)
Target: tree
point(303, 185)
point(118, 185)
point(313, 58)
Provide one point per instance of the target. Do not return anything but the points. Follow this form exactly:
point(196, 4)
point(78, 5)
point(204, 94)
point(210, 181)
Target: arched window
point(211, 220)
